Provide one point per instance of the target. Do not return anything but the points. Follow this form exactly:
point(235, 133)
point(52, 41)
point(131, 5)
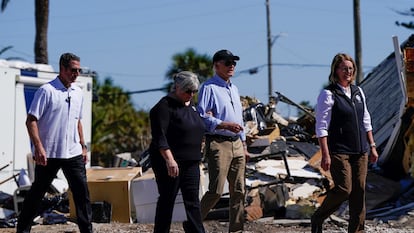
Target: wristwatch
point(373, 144)
point(84, 146)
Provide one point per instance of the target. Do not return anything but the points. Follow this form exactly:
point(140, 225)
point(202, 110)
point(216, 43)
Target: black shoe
point(316, 228)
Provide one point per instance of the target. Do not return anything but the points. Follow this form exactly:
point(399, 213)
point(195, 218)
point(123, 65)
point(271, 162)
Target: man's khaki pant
point(226, 160)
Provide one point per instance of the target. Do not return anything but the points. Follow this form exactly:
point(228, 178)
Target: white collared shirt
point(324, 111)
point(58, 110)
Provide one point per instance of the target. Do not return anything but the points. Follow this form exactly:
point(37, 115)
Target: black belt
point(223, 137)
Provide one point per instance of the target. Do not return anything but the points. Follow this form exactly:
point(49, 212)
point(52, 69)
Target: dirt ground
point(404, 224)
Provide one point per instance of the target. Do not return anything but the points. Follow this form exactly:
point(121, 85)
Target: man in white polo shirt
point(55, 129)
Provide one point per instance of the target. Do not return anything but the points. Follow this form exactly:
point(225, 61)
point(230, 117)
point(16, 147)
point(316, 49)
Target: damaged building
point(284, 178)
point(389, 89)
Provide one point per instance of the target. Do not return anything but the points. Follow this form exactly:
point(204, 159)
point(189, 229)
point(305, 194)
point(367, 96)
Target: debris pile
point(284, 179)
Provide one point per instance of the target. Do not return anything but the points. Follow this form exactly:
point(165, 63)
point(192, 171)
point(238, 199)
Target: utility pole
point(270, 41)
point(357, 41)
point(269, 51)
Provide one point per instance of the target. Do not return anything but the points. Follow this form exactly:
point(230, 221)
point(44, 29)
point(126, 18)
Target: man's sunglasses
point(76, 70)
point(229, 63)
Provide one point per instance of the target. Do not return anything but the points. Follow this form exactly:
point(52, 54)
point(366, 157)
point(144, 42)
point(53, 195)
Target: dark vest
point(346, 131)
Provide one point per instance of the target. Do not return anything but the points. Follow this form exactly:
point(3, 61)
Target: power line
point(133, 92)
point(256, 69)
point(147, 90)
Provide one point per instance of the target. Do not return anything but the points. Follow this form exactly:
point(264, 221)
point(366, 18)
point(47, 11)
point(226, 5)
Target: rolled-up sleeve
point(323, 113)
point(367, 116)
point(205, 108)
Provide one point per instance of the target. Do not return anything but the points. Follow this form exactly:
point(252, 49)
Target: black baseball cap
point(224, 55)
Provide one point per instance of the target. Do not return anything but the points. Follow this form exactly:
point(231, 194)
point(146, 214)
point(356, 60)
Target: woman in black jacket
point(177, 132)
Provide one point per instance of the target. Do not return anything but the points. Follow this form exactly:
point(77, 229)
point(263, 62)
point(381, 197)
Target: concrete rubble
point(284, 178)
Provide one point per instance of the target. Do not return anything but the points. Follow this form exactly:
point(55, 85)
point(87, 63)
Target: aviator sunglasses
point(229, 63)
point(76, 70)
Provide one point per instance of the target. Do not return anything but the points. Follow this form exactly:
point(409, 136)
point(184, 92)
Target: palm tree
point(42, 20)
point(4, 4)
point(191, 61)
point(409, 25)
point(3, 50)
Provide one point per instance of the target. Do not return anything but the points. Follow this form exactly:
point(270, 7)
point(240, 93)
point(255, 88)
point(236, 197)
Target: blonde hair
point(337, 60)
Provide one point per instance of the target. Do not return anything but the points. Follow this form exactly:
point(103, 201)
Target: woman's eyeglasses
point(347, 69)
point(189, 91)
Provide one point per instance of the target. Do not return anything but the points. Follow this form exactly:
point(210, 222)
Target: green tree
point(41, 21)
point(409, 25)
point(189, 60)
point(116, 126)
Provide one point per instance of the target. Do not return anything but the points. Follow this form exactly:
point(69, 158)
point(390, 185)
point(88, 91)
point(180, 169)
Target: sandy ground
point(404, 224)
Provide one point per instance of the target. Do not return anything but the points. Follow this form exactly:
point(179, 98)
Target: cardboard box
point(265, 138)
point(113, 186)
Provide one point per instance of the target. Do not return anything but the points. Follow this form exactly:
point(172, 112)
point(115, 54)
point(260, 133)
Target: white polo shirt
point(58, 110)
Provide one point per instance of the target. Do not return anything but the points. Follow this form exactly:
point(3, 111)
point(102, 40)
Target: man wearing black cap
point(219, 105)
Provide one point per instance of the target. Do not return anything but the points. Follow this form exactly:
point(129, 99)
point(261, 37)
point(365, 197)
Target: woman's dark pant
point(349, 173)
point(188, 182)
point(75, 173)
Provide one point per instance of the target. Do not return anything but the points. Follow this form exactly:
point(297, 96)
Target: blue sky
point(134, 41)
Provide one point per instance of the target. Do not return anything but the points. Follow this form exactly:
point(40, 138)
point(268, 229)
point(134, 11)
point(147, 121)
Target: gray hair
point(186, 80)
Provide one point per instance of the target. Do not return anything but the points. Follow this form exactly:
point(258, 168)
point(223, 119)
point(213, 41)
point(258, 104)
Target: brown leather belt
point(223, 137)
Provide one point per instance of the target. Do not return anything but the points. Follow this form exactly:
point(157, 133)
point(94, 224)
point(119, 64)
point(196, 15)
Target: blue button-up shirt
point(219, 101)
